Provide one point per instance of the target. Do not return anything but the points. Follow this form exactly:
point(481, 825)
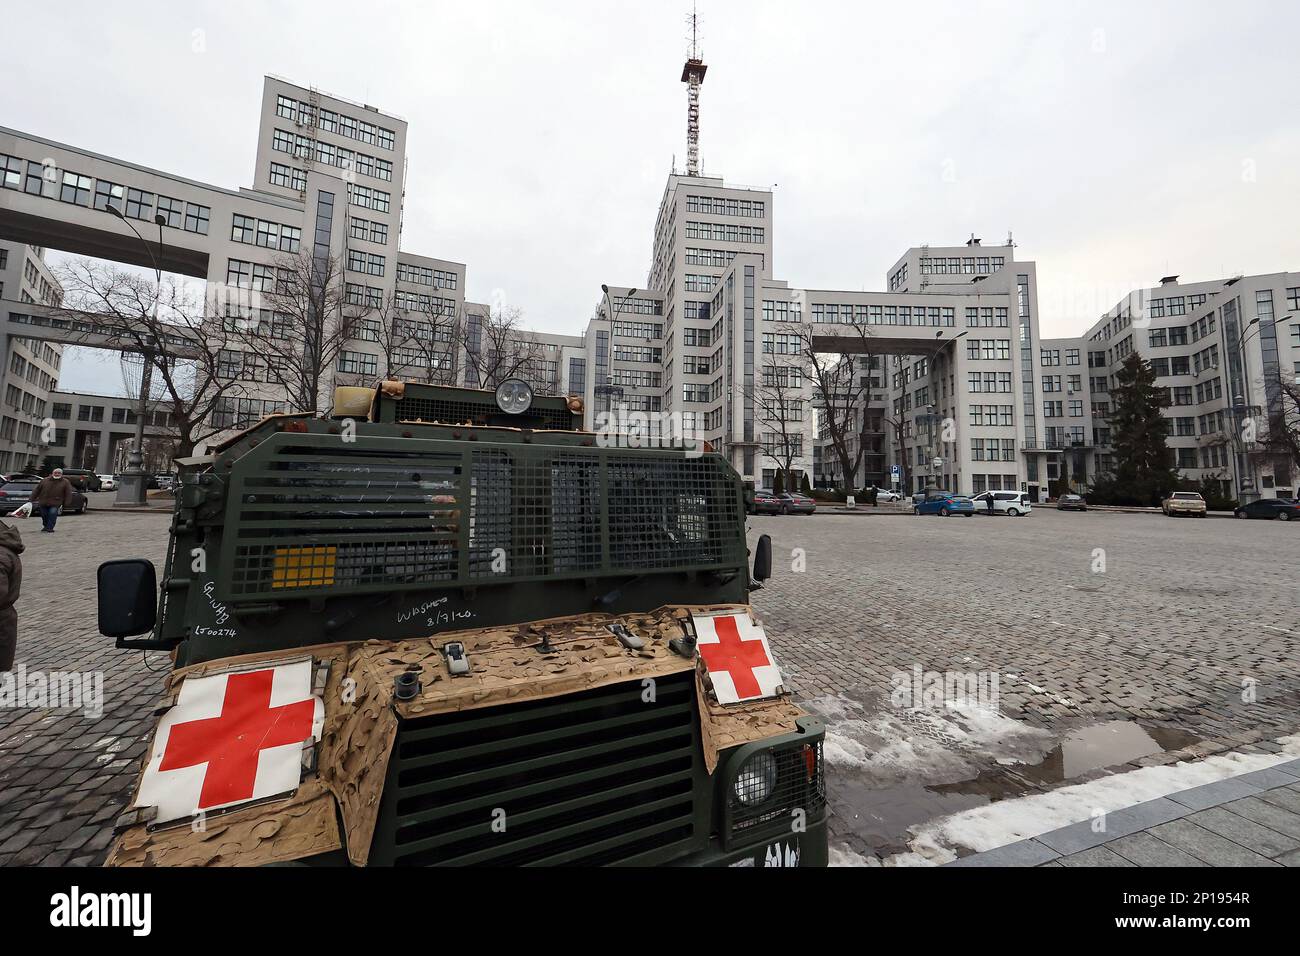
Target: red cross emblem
point(218, 745)
point(736, 655)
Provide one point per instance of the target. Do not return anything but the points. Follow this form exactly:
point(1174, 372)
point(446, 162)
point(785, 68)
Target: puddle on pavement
point(881, 818)
point(1104, 745)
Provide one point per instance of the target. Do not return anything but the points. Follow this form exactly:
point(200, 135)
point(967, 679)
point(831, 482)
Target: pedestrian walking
point(51, 495)
point(11, 582)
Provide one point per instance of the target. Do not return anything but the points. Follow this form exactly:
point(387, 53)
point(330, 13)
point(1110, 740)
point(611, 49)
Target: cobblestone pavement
point(64, 777)
point(1184, 612)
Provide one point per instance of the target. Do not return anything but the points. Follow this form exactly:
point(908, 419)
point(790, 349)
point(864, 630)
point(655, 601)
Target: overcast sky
point(1121, 142)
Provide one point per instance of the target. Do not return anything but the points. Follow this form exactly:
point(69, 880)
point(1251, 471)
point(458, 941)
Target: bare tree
point(1281, 438)
point(295, 321)
point(169, 326)
point(497, 348)
point(839, 392)
point(779, 405)
point(420, 344)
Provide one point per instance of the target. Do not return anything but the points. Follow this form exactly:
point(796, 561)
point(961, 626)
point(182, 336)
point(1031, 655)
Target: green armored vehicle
point(456, 629)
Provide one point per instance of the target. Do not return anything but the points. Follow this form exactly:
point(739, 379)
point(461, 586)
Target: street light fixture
point(608, 389)
point(132, 490)
point(932, 416)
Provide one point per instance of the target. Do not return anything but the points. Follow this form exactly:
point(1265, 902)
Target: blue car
point(943, 503)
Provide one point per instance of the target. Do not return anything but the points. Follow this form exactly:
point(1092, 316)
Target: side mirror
point(128, 597)
point(763, 558)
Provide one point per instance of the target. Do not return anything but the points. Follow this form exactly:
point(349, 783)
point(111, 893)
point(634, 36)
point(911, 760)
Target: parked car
point(1013, 503)
point(794, 503)
point(14, 494)
point(1183, 503)
point(107, 483)
point(1280, 509)
point(1071, 503)
point(82, 479)
point(20, 476)
point(884, 494)
point(944, 503)
point(164, 482)
point(762, 502)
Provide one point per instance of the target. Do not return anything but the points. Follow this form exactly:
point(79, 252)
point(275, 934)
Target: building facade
point(31, 366)
point(97, 432)
point(328, 185)
point(1223, 350)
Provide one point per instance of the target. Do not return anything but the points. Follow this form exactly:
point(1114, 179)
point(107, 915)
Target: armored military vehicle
point(450, 627)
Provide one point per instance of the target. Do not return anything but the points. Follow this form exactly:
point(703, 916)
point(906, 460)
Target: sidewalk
point(1252, 819)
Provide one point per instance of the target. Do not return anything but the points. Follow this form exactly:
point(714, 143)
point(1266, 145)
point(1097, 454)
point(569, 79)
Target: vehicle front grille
point(596, 778)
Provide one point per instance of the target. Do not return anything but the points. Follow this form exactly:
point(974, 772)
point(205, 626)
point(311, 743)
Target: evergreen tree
point(778, 483)
point(805, 485)
point(1144, 462)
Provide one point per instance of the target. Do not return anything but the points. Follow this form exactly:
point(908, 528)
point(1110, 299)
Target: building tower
point(693, 76)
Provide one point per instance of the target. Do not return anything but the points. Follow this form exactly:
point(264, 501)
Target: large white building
point(328, 182)
point(1221, 348)
point(714, 328)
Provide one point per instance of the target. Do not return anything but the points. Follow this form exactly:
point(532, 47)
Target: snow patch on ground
point(842, 856)
point(924, 745)
point(1008, 821)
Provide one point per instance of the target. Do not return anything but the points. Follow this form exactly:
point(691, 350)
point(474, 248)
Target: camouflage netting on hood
point(542, 659)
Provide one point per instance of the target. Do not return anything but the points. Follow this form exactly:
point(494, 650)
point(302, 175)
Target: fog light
point(756, 780)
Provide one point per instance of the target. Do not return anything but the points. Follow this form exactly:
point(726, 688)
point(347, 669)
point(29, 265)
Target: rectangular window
point(76, 189)
point(268, 234)
point(358, 362)
point(172, 211)
point(242, 228)
point(196, 218)
point(107, 193)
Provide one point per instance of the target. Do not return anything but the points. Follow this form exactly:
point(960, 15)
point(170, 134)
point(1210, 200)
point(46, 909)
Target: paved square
point(1096, 619)
point(1183, 612)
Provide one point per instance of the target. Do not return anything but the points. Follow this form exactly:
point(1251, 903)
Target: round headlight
point(756, 780)
point(514, 396)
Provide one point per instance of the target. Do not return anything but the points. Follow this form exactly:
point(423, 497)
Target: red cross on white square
point(231, 738)
point(737, 657)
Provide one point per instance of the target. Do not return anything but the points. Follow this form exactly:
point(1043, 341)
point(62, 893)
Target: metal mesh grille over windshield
point(306, 514)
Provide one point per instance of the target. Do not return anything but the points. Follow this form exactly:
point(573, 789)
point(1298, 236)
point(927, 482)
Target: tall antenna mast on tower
point(693, 76)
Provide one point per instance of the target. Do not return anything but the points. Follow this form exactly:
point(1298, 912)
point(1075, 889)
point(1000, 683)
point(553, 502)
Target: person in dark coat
point(52, 494)
point(11, 582)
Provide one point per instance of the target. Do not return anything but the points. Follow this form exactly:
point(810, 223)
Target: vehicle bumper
point(809, 848)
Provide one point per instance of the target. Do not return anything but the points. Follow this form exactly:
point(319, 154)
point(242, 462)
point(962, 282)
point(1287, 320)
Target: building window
point(242, 228)
point(76, 189)
point(196, 218)
point(360, 363)
point(172, 211)
point(268, 234)
point(107, 193)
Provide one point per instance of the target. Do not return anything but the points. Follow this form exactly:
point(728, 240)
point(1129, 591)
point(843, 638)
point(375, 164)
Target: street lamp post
point(608, 389)
point(932, 415)
point(132, 490)
point(1240, 411)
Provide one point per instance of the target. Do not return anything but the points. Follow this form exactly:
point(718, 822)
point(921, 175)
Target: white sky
point(1120, 141)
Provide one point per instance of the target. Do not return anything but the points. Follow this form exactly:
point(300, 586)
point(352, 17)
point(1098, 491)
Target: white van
point(1013, 503)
